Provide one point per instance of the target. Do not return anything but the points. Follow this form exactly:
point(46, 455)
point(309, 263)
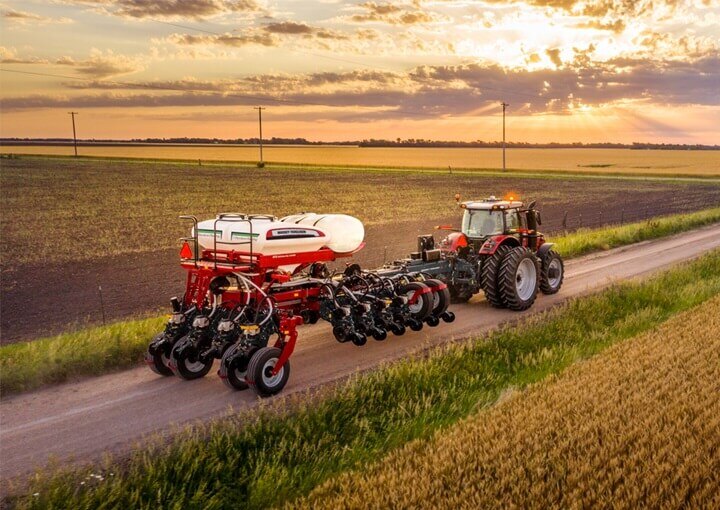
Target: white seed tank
point(345, 233)
point(293, 234)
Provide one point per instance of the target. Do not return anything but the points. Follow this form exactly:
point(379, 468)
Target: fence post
point(622, 216)
point(601, 218)
point(564, 222)
point(580, 220)
point(102, 303)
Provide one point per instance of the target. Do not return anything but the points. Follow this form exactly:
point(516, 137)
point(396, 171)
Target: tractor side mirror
point(538, 218)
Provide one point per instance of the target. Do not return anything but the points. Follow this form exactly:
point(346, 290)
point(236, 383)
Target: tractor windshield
point(482, 222)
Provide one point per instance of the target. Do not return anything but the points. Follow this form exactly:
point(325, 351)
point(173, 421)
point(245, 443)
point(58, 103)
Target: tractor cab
point(492, 216)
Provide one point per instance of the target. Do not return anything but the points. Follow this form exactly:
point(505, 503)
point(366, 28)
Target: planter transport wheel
point(519, 277)
point(259, 372)
point(186, 363)
point(490, 276)
point(158, 360)
point(552, 273)
point(233, 369)
point(440, 298)
point(422, 307)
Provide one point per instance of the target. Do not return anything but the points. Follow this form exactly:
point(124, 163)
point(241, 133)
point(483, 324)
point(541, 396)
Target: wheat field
point(635, 427)
point(599, 161)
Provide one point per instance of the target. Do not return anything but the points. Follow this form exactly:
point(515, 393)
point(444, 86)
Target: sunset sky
point(572, 70)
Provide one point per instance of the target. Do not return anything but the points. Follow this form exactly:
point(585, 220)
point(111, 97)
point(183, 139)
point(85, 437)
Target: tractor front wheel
point(518, 279)
point(552, 273)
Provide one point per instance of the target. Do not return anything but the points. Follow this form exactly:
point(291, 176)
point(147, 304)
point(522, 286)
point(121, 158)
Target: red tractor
point(498, 249)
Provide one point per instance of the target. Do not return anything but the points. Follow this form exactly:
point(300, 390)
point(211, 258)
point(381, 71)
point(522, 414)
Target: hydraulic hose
point(265, 298)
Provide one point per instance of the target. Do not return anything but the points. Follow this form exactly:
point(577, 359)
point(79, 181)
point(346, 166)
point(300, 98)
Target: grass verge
point(585, 241)
point(638, 425)
point(25, 366)
point(271, 456)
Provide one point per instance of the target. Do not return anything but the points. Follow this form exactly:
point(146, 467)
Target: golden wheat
point(600, 161)
point(636, 427)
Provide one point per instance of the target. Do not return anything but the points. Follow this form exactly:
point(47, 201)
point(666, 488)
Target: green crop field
point(66, 210)
point(600, 161)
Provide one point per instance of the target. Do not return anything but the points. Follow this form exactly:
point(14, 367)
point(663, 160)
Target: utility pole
point(504, 106)
point(260, 109)
point(74, 135)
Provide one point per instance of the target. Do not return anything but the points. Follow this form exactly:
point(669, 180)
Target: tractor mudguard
point(491, 245)
point(542, 251)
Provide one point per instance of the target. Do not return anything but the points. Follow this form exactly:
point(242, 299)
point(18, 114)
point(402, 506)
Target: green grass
point(25, 366)
point(91, 351)
point(585, 240)
point(270, 456)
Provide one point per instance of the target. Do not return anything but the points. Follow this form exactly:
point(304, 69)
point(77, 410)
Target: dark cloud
point(22, 17)
point(101, 65)
point(427, 91)
point(288, 27)
point(554, 56)
point(392, 14)
point(236, 41)
point(195, 9)
point(267, 35)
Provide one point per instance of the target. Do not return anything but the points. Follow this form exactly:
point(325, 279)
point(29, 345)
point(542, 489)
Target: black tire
point(158, 362)
point(519, 279)
point(259, 368)
point(460, 293)
point(552, 272)
point(185, 363)
point(233, 372)
point(423, 306)
point(489, 276)
point(440, 298)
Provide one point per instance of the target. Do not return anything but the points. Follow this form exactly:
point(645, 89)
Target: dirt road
point(81, 420)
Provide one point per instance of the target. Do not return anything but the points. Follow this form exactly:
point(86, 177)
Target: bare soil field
point(601, 161)
point(70, 227)
point(638, 426)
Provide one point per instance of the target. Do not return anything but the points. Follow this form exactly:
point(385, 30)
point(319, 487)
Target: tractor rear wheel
point(518, 278)
point(260, 368)
point(490, 276)
point(552, 272)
